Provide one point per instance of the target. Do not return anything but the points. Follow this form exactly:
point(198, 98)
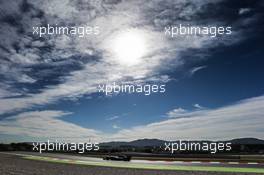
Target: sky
point(49, 85)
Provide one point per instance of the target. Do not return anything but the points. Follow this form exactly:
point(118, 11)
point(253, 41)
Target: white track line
point(214, 162)
point(195, 162)
point(252, 163)
point(233, 163)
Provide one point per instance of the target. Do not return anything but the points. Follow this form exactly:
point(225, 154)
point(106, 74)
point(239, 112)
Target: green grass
point(150, 166)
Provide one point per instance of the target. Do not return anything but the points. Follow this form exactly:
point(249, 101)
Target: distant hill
point(147, 142)
point(113, 144)
point(157, 142)
point(135, 143)
point(247, 141)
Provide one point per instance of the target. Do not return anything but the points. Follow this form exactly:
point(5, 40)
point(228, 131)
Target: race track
point(235, 167)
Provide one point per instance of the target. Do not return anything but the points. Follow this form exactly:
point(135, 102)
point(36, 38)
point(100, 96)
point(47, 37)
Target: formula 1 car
point(117, 157)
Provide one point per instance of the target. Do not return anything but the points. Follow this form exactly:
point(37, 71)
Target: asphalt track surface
point(178, 167)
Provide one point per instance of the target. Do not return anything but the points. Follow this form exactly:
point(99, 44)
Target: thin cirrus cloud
point(91, 54)
point(113, 118)
point(196, 69)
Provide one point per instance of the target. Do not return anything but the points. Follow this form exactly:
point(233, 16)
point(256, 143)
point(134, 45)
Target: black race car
point(117, 157)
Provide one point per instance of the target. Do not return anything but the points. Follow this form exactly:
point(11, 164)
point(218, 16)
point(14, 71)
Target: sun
point(129, 47)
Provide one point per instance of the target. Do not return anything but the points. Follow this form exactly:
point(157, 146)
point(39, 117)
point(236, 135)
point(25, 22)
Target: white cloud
point(113, 118)
point(44, 125)
point(163, 55)
point(177, 112)
point(196, 69)
point(101, 69)
point(243, 119)
point(26, 79)
point(198, 106)
point(115, 126)
point(243, 11)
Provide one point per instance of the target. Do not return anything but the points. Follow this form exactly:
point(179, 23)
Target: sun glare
point(129, 47)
